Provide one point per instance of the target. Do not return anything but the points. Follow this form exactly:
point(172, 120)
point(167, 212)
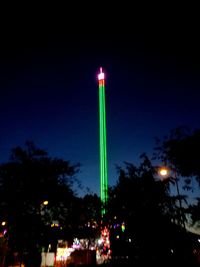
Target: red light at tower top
point(101, 75)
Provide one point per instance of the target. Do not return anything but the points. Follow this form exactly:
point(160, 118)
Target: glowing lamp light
point(101, 75)
point(54, 225)
point(163, 172)
point(46, 202)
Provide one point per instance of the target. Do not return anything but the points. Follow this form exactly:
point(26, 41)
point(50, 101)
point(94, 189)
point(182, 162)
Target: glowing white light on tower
point(101, 75)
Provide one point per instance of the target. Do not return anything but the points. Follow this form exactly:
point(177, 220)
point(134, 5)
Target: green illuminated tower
point(103, 143)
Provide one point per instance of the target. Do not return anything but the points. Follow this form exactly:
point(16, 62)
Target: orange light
point(163, 172)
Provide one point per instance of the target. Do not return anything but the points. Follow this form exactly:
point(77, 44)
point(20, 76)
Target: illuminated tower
point(102, 143)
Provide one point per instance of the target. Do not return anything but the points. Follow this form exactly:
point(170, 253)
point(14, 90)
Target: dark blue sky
point(49, 94)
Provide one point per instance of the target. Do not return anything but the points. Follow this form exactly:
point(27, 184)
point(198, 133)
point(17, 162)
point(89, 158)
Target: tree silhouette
point(26, 180)
point(145, 207)
point(180, 151)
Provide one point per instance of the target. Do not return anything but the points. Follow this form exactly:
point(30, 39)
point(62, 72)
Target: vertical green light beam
point(103, 143)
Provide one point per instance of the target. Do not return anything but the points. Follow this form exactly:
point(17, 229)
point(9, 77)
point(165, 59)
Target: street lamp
point(3, 229)
point(3, 223)
point(165, 173)
point(45, 202)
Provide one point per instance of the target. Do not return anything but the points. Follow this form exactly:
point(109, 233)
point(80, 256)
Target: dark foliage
point(26, 181)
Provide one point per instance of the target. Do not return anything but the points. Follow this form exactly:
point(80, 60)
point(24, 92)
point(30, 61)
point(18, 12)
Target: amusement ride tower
point(103, 143)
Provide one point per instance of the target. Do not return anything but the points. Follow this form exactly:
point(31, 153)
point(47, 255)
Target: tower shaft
point(103, 143)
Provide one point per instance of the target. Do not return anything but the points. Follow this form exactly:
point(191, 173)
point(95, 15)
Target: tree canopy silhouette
point(28, 179)
point(180, 151)
point(145, 207)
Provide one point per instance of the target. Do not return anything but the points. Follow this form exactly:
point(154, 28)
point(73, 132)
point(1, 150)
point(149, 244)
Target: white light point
point(101, 75)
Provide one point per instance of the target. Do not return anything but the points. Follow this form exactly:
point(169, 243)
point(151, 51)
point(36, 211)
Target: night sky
point(49, 92)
